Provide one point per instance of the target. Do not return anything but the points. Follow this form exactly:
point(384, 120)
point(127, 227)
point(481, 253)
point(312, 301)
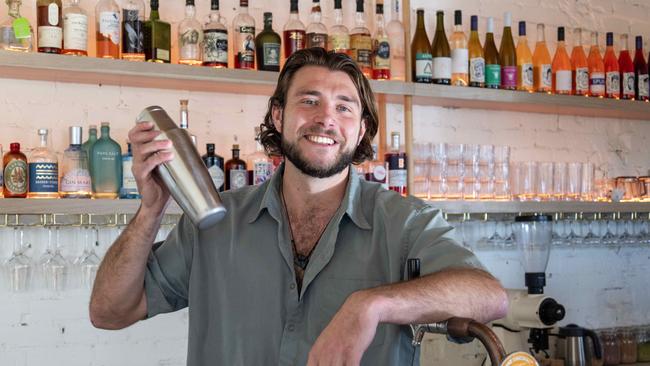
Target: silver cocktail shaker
point(185, 176)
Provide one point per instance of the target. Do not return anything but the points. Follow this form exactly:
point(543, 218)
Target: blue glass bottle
point(106, 165)
point(129, 187)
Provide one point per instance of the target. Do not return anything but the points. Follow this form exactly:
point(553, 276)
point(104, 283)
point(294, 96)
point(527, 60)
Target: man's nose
point(326, 115)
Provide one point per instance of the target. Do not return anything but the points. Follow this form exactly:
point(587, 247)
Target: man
point(307, 268)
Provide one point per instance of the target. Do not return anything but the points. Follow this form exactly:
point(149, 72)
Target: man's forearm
point(119, 286)
point(459, 292)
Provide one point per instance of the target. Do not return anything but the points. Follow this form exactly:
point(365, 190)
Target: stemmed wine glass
point(88, 262)
point(53, 265)
point(19, 266)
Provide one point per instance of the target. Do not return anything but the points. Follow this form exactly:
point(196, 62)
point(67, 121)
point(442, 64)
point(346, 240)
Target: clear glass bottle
point(395, 30)
point(261, 164)
point(244, 28)
point(268, 46)
point(190, 37)
point(397, 165)
point(185, 118)
point(106, 165)
point(129, 187)
point(157, 37)
point(133, 15)
point(92, 138)
point(107, 18)
point(459, 53)
point(215, 39)
point(75, 30)
point(542, 72)
point(381, 47)
point(75, 176)
point(579, 66)
point(49, 23)
point(43, 168)
point(376, 170)
point(361, 42)
point(524, 61)
point(293, 35)
point(15, 172)
point(476, 59)
point(215, 166)
point(338, 39)
point(16, 33)
point(316, 30)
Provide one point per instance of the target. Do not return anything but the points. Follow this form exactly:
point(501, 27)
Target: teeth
point(321, 140)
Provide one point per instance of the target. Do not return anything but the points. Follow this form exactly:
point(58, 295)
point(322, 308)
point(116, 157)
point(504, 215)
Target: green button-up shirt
point(238, 277)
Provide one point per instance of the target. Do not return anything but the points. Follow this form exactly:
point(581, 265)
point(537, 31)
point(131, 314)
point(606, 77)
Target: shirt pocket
point(333, 293)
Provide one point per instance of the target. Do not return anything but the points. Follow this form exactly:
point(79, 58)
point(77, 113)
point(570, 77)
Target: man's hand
point(348, 335)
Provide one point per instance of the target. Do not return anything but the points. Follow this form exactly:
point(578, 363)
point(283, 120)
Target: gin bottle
point(107, 16)
point(190, 37)
point(43, 168)
point(75, 177)
point(214, 163)
point(215, 39)
point(16, 33)
point(133, 30)
point(236, 173)
point(106, 165)
point(261, 164)
point(129, 187)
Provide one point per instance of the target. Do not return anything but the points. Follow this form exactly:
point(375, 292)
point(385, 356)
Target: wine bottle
point(561, 66)
point(579, 66)
point(525, 80)
point(626, 67)
point(421, 57)
point(476, 59)
point(612, 73)
point(507, 55)
point(640, 72)
point(492, 62)
point(441, 52)
point(542, 77)
point(459, 53)
point(380, 47)
point(596, 69)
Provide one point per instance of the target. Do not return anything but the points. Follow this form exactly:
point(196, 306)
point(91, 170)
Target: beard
point(293, 154)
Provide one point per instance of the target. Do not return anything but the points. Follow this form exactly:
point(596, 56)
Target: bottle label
point(493, 75)
point(271, 56)
point(339, 43)
point(563, 81)
point(378, 173)
point(132, 32)
point(477, 70)
point(582, 80)
point(547, 76)
point(217, 177)
point(597, 83)
point(316, 40)
point(527, 76)
point(238, 178)
point(109, 25)
point(246, 45)
point(44, 177)
point(75, 32)
point(190, 42)
point(361, 48)
point(262, 171)
point(459, 61)
point(442, 68)
point(76, 180)
point(382, 55)
point(51, 37)
point(509, 76)
point(129, 186)
point(613, 82)
point(15, 176)
point(397, 178)
point(162, 54)
point(643, 86)
point(215, 46)
point(628, 84)
point(21, 28)
point(423, 68)
point(53, 14)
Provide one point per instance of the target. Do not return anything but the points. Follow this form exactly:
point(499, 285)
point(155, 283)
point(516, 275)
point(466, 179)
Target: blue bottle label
point(44, 177)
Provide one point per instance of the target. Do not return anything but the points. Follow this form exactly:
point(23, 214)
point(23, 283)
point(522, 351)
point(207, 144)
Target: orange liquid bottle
point(596, 69)
point(524, 61)
point(612, 73)
point(579, 66)
point(542, 77)
point(561, 66)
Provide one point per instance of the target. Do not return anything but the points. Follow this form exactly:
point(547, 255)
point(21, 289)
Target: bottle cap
point(75, 135)
point(560, 34)
point(522, 28)
point(490, 25)
point(214, 5)
point(610, 38)
point(42, 131)
point(359, 6)
point(209, 148)
point(639, 42)
point(337, 4)
point(14, 146)
point(106, 124)
point(154, 4)
point(458, 17)
point(189, 2)
point(379, 8)
point(293, 4)
point(474, 23)
point(507, 19)
point(235, 146)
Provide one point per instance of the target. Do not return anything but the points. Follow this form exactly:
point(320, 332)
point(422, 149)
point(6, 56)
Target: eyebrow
point(316, 93)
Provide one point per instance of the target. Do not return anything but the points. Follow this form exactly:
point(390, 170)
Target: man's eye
point(310, 102)
point(343, 108)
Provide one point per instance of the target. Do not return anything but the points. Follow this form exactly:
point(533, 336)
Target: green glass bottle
point(106, 165)
point(92, 138)
point(157, 37)
point(268, 46)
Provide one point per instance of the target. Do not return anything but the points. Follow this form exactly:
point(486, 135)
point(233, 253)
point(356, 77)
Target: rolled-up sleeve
point(167, 275)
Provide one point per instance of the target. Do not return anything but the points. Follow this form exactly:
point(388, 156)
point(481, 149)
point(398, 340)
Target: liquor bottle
point(640, 71)
point(133, 30)
point(596, 69)
point(525, 80)
point(86, 146)
point(397, 165)
point(214, 163)
point(626, 68)
point(261, 164)
point(244, 28)
point(612, 73)
point(107, 16)
point(396, 37)
point(476, 59)
point(441, 53)
point(459, 53)
point(236, 174)
point(1, 173)
point(579, 65)
point(268, 46)
point(294, 32)
point(561, 66)
point(316, 30)
point(380, 47)
point(190, 37)
point(129, 187)
point(185, 119)
point(75, 176)
point(507, 55)
point(43, 168)
point(361, 43)
point(157, 37)
point(421, 57)
point(15, 172)
point(75, 30)
point(16, 33)
point(492, 62)
point(215, 39)
point(376, 170)
point(542, 72)
point(338, 39)
point(49, 26)
point(106, 165)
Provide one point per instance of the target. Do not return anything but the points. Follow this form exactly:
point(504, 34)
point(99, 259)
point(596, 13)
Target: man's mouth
point(321, 140)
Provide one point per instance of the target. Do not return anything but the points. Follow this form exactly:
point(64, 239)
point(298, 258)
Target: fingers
point(142, 170)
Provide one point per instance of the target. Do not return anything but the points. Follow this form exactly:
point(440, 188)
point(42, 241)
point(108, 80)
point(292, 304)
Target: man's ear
point(276, 115)
point(362, 131)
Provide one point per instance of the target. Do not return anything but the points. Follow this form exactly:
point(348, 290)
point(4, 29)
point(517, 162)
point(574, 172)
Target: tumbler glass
point(438, 171)
point(471, 170)
point(454, 171)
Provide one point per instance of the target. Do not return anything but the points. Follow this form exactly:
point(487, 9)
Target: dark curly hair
point(271, 138)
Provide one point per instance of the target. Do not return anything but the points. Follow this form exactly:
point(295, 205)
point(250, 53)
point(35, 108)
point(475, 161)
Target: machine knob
point(550, 312)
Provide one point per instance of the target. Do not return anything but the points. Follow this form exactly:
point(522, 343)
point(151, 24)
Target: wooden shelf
point(90, 70)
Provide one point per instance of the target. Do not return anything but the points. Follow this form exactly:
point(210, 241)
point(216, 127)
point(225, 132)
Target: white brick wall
point(31, 325)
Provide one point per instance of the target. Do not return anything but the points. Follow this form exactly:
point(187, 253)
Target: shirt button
point(292, 286)
point(291, 327)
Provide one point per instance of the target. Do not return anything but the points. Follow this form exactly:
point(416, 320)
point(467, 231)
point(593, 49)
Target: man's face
point(321, 123)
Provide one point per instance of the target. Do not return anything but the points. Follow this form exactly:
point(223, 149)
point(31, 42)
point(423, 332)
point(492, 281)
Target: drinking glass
point(559, 181)
point(502, 173)
point(53, 265)
point(438, 171)
point(486, 175)
point(421, 162)
point(527, 180)
point(454, 171)
point(88, 262)
point(544, 181)
point(574, 178)
point(471, 170)
point(631, 188)
point(587, 183)
point(18, 267)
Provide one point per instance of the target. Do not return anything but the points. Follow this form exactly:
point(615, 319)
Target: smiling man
point(307, 268)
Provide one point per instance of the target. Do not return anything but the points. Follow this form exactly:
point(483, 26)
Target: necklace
point(298, 259)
